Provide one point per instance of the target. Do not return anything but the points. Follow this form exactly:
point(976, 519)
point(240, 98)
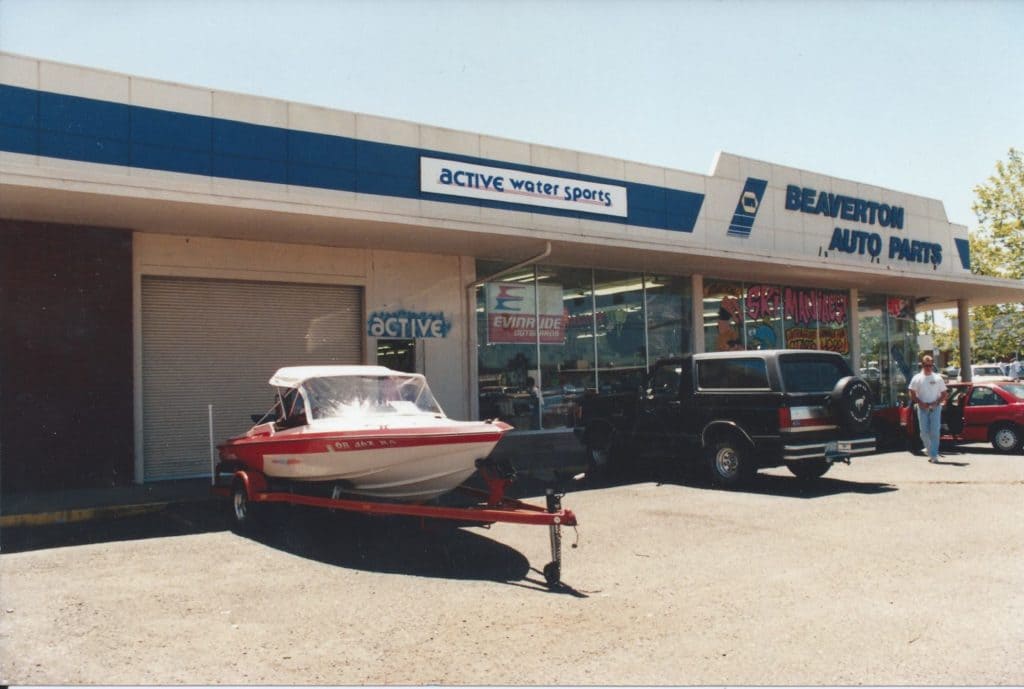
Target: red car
point(979, 413)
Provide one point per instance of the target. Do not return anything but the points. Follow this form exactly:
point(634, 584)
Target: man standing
point(928, 392)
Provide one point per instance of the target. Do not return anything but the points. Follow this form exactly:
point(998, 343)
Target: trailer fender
point(254, 483)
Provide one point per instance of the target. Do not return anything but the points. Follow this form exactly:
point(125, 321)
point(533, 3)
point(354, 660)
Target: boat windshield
point(354, 396)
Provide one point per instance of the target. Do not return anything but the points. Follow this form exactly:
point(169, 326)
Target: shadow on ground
point(398, 545)
point(665, 472)
point(180, 519)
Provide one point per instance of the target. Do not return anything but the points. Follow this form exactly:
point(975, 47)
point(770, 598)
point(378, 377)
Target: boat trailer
point(248, 488)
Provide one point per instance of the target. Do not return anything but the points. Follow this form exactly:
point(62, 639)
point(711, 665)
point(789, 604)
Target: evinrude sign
point(515, 186)
point(513, 311)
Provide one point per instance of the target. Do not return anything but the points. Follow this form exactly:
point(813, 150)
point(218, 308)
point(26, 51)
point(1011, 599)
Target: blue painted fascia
point(75, 128)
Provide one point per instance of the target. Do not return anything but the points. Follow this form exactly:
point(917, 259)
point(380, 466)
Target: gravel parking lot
point(890, 571)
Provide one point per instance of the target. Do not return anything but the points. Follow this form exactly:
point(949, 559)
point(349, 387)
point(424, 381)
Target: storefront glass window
point(817, 319)
point(723, 316)
point(768, 316)
point(567, 360)
point(598, 329)
point(901, 316)
point(669, 317)
point(620, 330)
point(873, 365)
point(888, 346)
point(603, 330)
point(762, 316)
point(507, 348)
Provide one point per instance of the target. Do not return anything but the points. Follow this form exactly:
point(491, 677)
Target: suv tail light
point(785, 419)
point(805, 417)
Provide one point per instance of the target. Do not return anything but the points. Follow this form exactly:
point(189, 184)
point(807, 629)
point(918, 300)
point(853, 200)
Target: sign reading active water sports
point(515, 186)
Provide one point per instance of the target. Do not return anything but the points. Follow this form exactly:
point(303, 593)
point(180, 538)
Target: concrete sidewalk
point(82, 504)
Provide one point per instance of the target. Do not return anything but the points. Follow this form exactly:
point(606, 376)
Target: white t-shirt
point(928, 387)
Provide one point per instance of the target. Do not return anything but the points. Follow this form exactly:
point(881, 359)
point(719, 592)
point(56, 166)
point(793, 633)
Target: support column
point(697, 322)
point(854, 300)
point(963, 316)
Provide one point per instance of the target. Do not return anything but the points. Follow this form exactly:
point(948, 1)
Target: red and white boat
point(364, 430)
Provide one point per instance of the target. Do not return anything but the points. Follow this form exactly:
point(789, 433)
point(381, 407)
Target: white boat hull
point(408, 474)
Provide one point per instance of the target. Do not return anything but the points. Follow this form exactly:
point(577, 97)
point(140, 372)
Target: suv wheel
point(809, 469)
point(729, 462)
point(850, 401)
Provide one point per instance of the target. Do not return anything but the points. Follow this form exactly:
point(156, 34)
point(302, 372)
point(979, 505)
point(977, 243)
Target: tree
point(944, 337)
point(997, 250)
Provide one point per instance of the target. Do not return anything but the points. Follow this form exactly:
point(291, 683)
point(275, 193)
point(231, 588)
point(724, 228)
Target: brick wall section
point(66, 418)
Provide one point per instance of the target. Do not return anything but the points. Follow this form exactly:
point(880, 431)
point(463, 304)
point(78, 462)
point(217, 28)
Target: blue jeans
point(929, 421)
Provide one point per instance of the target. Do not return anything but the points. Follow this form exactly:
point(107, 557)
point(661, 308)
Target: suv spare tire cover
point(851, 404)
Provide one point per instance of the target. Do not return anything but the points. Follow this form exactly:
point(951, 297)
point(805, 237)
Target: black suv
point(737, 412)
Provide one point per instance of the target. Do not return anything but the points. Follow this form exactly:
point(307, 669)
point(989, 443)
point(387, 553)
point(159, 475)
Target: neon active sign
point(408, 325)
point(514, 186)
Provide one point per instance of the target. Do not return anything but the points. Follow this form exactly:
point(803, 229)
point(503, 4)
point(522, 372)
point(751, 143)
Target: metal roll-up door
point(218, 342)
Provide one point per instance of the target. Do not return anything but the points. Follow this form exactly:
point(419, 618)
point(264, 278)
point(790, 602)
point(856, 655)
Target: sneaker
point(933, 460)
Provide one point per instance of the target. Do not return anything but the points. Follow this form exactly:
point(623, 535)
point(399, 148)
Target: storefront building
point(167, 247)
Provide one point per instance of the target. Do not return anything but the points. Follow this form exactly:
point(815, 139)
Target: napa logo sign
point(453, 178)
point(746, 208)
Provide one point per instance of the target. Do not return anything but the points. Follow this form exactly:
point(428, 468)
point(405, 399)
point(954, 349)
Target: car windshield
point(1015, 389)
point(804, 374)
point(355, 396)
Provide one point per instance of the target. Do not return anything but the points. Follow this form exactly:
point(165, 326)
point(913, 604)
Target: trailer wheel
point(553, 574)
point(809, 470)
point(1006, 439)
point(730, 463)
point(244, 514)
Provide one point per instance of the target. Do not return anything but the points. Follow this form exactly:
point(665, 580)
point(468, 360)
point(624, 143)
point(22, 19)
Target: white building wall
point(393, 281)
point(427, 283)
point(784, 234)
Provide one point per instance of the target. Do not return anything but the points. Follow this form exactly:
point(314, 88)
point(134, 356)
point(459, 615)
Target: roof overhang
point(327, 225)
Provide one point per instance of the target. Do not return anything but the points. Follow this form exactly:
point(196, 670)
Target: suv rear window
point(746, 374)
point(811, 375)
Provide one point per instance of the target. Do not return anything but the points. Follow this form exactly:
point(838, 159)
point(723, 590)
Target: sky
point(920, 96)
